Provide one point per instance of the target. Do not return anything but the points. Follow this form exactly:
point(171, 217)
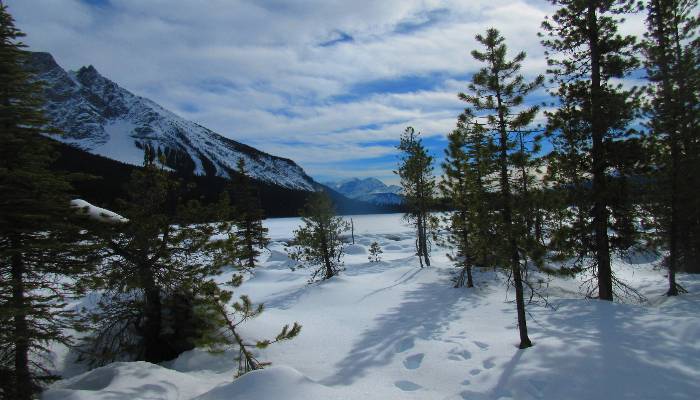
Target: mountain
point(370, 190)
point(102, 118)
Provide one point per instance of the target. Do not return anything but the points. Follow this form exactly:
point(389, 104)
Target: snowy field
point(391, 330)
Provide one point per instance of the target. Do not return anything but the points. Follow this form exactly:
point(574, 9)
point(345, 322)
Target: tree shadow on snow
point(424, 314)
point(599, 350)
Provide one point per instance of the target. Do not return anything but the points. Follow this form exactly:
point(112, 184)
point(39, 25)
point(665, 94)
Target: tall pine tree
point(672, 49)
point(41, 250)
point(586, 54)
point(496, 90)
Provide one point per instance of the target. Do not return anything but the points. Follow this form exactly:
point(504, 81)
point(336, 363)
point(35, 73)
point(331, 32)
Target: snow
point(97, 213)
point(391, 330)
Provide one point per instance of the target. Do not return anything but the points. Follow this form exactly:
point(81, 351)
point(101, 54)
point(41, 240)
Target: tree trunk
point(421, 235)
point(670, 123)
point(508, 220)
point(250, 245)
point(600, 212)
point(153, 346)
point(425, 240)
point(326, 257)
point(23, 380)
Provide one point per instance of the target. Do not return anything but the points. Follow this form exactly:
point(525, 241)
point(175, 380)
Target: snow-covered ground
point(391, 330)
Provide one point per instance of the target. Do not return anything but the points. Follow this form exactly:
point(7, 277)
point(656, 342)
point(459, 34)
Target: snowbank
point(129, 380)
point(97, 213)
point(271, 384)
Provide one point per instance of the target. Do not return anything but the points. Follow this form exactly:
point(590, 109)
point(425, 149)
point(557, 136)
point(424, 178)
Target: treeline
point(623, 171)
point(106, 179)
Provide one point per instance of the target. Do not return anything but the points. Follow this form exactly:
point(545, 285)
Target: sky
point(331, 84)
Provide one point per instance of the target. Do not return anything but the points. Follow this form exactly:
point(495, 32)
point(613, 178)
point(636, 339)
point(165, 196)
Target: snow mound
point(277, 382)
point(97, 213)
point(354, 249)
point(129, 380)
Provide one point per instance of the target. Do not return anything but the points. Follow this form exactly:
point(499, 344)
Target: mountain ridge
point(97, 115)
point(370, 190)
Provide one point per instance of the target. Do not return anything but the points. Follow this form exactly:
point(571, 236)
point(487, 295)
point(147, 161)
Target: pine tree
point(418, 184)
point(672, 49)
point(586, 54)
point(153, 266)
point(468, 172)
point(570, 198)
point(41, 245)
point(375, 252)
point(249, 218)
point(494, 92)
point(317, 244)
point(243, 310)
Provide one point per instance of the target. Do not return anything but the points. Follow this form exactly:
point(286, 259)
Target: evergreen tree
point(468, 171)
point(317, 244)
point(586, 54)
point(153, 266)
point(672, 49)
point(375, 252)
point(249, 218)
point(243, 310)
point(418, 184)
point(570, 198)
point(41, 245)
point(497, 89)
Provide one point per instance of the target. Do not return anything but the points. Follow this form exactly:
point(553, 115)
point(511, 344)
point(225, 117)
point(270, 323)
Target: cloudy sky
point(329, 84)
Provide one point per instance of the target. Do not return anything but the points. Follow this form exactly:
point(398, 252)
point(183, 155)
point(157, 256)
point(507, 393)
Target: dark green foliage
point(418, 184)
point(496, 90)
point(243, 310)
point(248, 216)
point(151, 271)
point(40, 242)
point(585, 55)
point(375, 252)
point(469, 169)
point(672, 50)
point(317, 244)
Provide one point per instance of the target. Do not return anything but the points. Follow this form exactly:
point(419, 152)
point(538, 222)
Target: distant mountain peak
point(368, 189)
point(98, 116)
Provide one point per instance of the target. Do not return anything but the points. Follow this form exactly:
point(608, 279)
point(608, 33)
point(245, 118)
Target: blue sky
point(329, 84)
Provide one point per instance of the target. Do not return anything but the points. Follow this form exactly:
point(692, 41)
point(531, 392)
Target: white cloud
point(255, 70)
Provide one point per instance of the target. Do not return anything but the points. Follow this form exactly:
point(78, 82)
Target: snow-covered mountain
point(371, 190)
point(97, 115)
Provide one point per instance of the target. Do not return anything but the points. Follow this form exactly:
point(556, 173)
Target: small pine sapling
point(242, 311)
point(375, 252)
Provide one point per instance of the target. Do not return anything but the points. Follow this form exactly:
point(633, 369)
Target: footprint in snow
point(407, 386)
point(488, 364)
point(414, 361)
point(475, 372)
point(482, 345)
point(404, 344)
point(457, 354)
point(466, 382)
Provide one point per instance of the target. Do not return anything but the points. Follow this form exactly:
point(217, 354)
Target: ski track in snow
point(391, 330)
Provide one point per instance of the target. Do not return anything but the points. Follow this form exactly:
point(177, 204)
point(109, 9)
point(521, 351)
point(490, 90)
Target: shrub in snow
point(375, 252)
